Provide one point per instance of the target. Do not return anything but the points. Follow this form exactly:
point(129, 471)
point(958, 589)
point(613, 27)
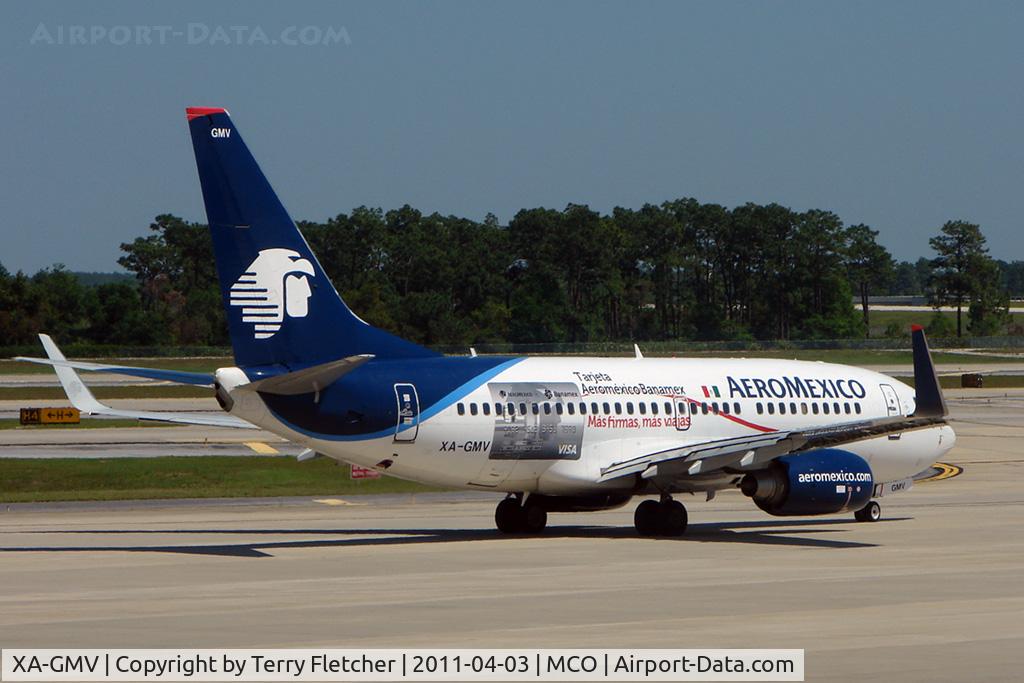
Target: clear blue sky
point(900, 115)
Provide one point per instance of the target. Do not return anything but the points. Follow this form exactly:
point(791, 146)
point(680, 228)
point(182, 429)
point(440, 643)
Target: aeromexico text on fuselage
point(741, 387)
point(794, 387)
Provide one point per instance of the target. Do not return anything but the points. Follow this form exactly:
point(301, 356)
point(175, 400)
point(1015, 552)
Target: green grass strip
point(64, 479)
point(86, 423)
point(136, 391)
point(989, 381)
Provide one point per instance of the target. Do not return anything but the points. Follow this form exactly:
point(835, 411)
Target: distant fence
point(653, 348)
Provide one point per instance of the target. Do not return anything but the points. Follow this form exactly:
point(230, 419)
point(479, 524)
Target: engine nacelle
point(820, 482)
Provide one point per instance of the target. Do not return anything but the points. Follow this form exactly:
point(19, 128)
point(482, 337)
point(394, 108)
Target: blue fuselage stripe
point(444, 402)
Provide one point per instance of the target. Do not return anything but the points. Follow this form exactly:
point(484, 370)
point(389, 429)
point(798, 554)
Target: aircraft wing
point(752, 451)
point(83, 399)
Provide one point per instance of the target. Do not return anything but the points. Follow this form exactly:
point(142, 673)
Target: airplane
point(551, 434)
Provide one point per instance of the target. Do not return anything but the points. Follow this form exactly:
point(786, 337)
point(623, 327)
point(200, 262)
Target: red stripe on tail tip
point(916, 328)
point(196, 112)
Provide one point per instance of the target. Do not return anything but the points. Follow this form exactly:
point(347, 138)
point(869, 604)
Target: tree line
point(680, 270)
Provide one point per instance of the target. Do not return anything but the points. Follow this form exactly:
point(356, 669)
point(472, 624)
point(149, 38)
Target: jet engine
point(819, 482)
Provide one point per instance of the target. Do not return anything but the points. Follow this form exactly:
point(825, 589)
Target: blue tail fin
point(281, 308)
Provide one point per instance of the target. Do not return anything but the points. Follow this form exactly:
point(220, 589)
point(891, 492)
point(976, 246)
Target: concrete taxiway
point(139, 442)
point(933, 592)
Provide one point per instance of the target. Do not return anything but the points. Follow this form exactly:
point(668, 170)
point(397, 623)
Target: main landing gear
point(872, 512)
point(513, 516)
point(666, 517)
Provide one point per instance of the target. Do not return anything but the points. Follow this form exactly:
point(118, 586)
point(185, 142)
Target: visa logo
point(567, 449)
point(220, 132)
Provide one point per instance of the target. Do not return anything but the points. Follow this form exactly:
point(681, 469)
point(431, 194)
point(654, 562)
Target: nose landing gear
point(515, 517)
point(666, 517)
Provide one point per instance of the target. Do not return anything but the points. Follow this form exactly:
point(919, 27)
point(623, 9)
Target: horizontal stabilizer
point(83, 399)
point(308, 380)
point(177, 376)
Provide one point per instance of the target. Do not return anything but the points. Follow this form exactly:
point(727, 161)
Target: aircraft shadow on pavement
point(767, 532)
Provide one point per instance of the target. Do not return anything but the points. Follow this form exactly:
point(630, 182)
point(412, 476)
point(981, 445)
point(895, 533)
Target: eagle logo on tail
point(275, 285)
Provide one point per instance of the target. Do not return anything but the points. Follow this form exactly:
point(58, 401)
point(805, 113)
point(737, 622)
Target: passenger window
point(736, 408)
point(535, 408)
point(856, 408)
point(461, 409)
point(654, 408)
point(618, 408)
point(583, 408)
point(607, 408)
point(792, 408)
point(803, 408)
point(512, 409)
point(522, 409)
point(835, 408)
point(498, 408)
point(472, 409)
point(571, 407)
point(814, 408)
point(760, 409)
point(771, 408)
point(487, 408)
point(714, 407)
point(782, 409)
point(547, 408)
point(824, 408)
point(559, 408)
point(593, 408)
point(725, 408)
point(846, 408)
point(643, 407)
point(668, 408)
point(704, 408)
point(629, 407)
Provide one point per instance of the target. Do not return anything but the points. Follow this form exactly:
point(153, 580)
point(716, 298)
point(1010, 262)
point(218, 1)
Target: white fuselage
point(584, 414)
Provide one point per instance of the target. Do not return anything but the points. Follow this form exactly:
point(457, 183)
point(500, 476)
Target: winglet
point(636, 351)
point(929, 399)
point(77, 392)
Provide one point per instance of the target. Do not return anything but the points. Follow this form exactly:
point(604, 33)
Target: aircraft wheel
point(872, 512)
point(673, 518)
point(533, 518)
point(647, 518)
point(509, 516)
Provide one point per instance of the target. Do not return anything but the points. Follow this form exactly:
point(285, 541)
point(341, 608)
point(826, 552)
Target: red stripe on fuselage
point(735, 419)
